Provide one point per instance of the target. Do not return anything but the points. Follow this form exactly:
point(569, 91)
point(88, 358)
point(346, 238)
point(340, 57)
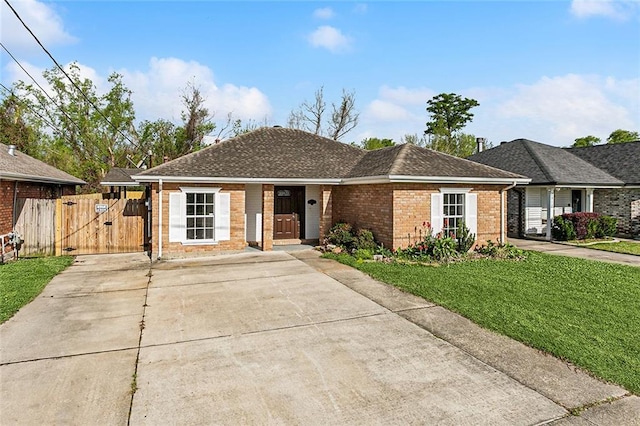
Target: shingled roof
point(544, 164)
point(281, 153)
point(621, 160)
point(120, 176)
point(22, 167)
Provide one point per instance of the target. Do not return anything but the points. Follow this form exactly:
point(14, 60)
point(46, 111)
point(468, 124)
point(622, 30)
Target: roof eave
point(40, 179)
point(266, 180)
point(433, 179)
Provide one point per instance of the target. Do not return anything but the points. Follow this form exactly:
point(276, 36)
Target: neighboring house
point(119, 180)
point(622, 161)
point(23, 177)
point(566, 182)
point(278, 185)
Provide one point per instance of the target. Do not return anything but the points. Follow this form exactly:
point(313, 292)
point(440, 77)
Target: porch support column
point(589, 204)
point(326, 210)
point(267, 217)
point(551, 204)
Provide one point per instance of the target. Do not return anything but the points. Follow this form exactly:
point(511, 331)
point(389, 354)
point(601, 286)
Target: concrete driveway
point(269, 338)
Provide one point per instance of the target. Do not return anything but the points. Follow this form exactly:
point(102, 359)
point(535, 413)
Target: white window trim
point(195, 190)
point(471, 219)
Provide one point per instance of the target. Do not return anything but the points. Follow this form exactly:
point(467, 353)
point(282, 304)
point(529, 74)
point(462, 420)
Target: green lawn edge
point(23, 280)
point(623, 247)
point(582, 311)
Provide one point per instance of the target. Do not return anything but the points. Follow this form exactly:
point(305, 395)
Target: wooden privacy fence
point(82, 224)
point(36, 226)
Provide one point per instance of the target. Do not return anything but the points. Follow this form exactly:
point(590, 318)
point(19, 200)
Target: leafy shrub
point(364, 240)
point(444, 248)
point(501, 251)
point(465, 238)
point(363, 254)
point(341, 235)
point(608, 226)
point(583, 225)
point(562, 229)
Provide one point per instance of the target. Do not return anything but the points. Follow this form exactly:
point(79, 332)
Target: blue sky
point(549, 71)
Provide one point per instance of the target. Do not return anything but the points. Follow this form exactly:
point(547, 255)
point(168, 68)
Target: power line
point(51, 125)
point(67, 75)
point(41, 88)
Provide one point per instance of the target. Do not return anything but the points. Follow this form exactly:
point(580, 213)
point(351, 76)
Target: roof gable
point(621, 160)
point(544, 164)
point(21, 166)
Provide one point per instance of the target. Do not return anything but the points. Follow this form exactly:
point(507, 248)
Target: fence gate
point(96, 226)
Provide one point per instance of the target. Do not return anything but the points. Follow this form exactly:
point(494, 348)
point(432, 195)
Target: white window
point(452, 213)
point(451, 206)
point(199, 216)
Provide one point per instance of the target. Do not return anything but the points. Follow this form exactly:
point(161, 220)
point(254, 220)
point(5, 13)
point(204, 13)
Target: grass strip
point(583, 311)
point(22, 280)
point(625, 247)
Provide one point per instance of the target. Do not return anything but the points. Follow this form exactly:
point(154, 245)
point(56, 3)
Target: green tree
point(91, 133)
point(16, 128)
point(586, 141)
point(375, 143)
point(449, 113)
point(622, 136)
point(197, 122)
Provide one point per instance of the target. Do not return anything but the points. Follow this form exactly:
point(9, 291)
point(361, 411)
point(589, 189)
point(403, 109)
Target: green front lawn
point(619, 247)
point(584, 311)
point(22, 280)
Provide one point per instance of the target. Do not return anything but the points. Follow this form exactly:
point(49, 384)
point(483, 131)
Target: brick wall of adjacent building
point(395, 213)
point(268, 199)
point(177, 249)
point(624, 205)
point(515, 212)
point(25, 190)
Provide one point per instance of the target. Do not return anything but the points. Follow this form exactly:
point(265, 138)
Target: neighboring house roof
point(22, 167)
point(276, 153)
point(621, 160)
point(544, 164)
point(120, 176)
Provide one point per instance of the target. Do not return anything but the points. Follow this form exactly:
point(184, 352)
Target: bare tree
point(344, 117)
point(309, 115)
point(196, 118)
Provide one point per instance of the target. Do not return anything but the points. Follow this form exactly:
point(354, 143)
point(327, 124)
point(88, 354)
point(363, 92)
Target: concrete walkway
point(271, 338)
point(574, 251)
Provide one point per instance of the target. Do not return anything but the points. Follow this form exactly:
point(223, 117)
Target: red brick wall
point(326, 209)
point(395, 212)
point(366, 206)
point(237, 241)
point(267, 217)
point(26, 190)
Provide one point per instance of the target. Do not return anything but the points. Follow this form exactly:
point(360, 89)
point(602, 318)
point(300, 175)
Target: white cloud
point(615, 9)
point(330, 38)
point(323, 13)
point(157, 91)
point(404, 96)
point(43, 20)
point(15, 73)
point(556, 110)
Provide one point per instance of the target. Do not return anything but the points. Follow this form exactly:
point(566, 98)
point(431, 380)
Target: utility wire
point(51, 125)
point(67, 75)
point(41, 88)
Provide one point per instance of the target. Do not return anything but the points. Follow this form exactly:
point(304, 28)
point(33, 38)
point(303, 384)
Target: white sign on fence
point(101, 208)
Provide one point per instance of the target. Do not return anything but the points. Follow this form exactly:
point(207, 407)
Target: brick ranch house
point(22, 177)
point(603, 179)
point(276, 185)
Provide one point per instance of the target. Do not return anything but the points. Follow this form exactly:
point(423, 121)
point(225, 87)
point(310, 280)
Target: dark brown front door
point(288, 212)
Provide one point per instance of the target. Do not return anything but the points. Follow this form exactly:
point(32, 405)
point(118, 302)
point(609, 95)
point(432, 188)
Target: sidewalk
point(573, 251)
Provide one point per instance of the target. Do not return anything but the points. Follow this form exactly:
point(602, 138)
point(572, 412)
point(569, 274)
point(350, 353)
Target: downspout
point(502, 213)
point(159, 219)
point(14, 217)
